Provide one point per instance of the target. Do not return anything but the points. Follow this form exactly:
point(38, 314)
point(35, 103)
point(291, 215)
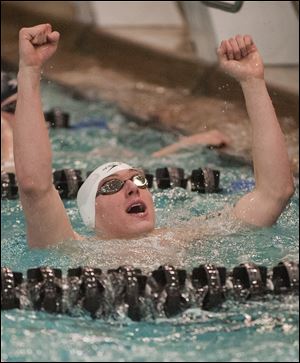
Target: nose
point(131, 188)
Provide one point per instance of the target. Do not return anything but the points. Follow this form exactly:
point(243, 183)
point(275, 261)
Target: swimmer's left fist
point(239, 58)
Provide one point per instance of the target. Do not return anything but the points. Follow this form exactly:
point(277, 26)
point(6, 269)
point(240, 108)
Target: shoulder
point(218, 223)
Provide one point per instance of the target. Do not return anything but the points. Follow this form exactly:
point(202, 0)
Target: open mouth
point(136, 208)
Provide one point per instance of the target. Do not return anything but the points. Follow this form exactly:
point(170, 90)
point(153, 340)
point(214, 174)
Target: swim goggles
point(114, 185)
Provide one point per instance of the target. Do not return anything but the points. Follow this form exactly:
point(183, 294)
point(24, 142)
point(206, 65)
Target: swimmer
point(114, 200)
point(212, 138)
point(8, 103)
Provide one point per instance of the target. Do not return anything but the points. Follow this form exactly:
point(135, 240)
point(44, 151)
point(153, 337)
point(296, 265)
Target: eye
point(112, 184)
point(110, 187)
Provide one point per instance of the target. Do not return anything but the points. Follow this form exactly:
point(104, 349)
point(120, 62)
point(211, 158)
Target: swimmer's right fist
point(37, 45)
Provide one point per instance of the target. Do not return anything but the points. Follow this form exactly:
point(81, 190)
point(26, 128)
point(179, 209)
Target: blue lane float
point(91, 122)
point(56, 118)
point(164, 292)
point(245, 185)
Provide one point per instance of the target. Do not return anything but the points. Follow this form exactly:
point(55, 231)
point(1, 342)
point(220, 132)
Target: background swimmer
point(127, 211)
point(8, 101)
point(212, 137)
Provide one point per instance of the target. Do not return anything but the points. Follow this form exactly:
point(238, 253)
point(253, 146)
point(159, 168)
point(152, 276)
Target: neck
point(100, 233)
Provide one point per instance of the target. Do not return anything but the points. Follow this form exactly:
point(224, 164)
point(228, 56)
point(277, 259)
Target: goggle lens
point(114, 185)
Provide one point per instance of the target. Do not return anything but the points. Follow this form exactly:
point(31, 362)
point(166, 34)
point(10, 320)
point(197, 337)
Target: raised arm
point(273, 178)
point(46, 219)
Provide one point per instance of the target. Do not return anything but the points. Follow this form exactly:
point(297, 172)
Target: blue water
point(255, 331)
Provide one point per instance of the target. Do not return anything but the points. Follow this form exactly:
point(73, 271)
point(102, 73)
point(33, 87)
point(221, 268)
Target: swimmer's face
point(127, 213)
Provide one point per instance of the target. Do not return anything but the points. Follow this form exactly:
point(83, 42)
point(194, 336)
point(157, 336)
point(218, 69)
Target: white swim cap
point(87, 193)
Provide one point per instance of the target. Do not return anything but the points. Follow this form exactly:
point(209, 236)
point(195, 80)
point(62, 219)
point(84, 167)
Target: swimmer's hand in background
point(37, 45)
point(212, 137)
point(239, 58)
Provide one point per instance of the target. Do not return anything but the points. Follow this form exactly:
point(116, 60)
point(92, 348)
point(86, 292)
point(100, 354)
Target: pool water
point(264, 330)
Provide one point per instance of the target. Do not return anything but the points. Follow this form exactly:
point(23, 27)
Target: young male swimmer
point(115, 200)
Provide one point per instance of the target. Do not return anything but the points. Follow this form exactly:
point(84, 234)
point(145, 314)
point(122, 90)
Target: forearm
point(32, 149)
point(183, 143)
point(170, 149)
point(211, 137)
point(270, 157)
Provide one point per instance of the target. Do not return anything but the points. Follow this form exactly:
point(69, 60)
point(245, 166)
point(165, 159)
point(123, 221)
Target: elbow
point(282, 198)
point(289, 190)
point(283, 194)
